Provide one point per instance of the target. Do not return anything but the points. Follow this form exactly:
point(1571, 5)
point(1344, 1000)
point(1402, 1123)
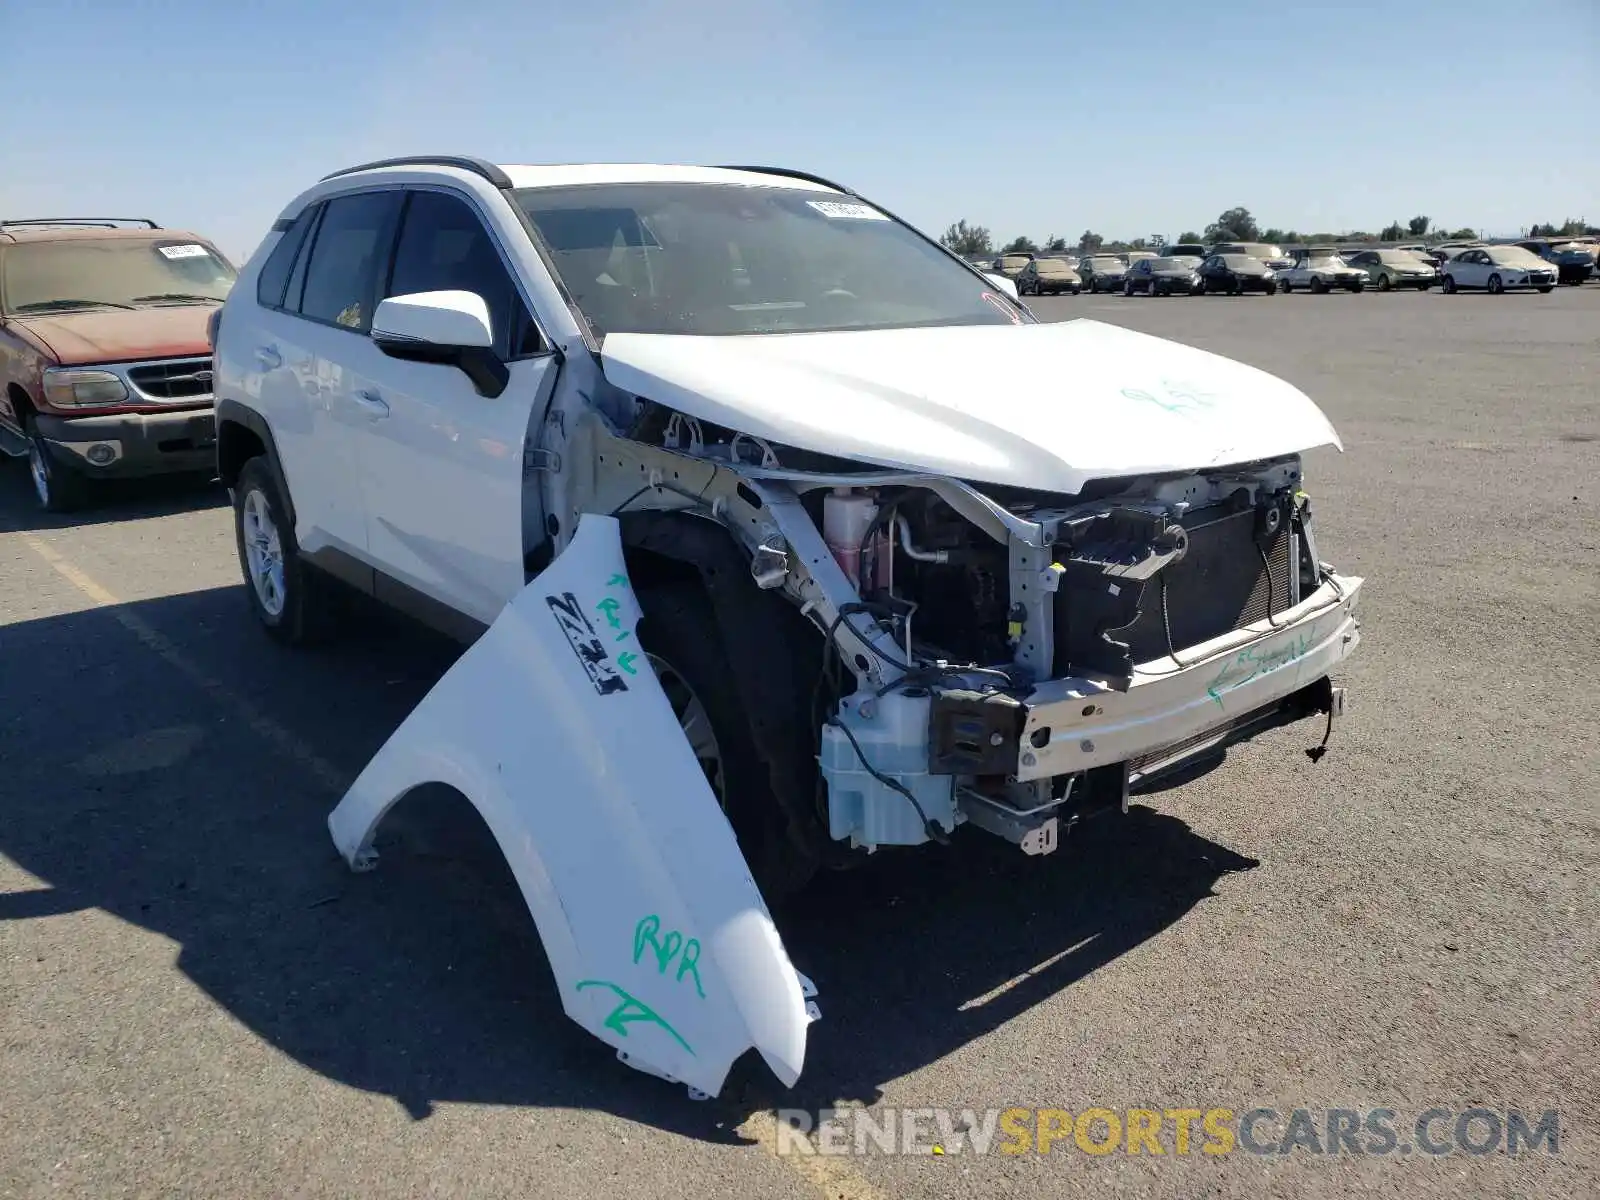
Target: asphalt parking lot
point(196, 998)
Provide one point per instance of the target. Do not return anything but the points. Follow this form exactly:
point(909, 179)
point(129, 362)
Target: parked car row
point(1238, 267)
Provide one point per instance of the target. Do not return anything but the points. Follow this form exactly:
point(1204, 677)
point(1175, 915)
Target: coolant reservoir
point(847, 513)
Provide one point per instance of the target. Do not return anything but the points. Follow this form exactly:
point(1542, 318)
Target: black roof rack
point(107, 222)
point(477, 166)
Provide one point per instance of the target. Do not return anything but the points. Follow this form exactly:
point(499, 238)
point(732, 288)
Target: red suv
point(105, 363)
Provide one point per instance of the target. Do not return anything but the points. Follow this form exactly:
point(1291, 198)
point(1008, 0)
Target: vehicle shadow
point(110, 500)
point(179, 811)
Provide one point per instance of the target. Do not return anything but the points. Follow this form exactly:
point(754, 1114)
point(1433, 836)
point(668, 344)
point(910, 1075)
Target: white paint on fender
point(554, 727)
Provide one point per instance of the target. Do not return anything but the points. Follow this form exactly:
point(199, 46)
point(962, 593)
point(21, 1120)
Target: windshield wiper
point(47, 305)
point(178, 296)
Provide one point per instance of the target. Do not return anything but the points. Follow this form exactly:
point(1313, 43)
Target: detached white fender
point(554, 727)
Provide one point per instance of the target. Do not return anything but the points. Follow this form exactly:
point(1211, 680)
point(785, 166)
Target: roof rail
point(790, 173)
point(107, 222)
point(477, 166)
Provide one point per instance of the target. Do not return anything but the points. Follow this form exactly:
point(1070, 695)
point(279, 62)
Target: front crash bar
point(553, 725)
point(1075, 724)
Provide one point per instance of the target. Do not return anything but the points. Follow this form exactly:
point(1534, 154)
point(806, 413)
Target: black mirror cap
point(480, 364)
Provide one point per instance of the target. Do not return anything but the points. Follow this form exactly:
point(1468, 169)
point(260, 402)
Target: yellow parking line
point(285, 742)
point(831, 1177)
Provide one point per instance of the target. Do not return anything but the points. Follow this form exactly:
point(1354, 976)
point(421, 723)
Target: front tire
point(686, 648)
point(58, 489)
point(1384, 283)
point(1496, 285)
point(1449, 285)
point(294, 602)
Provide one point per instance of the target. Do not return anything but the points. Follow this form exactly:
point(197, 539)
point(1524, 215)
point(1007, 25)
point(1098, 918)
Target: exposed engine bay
point(981, 640)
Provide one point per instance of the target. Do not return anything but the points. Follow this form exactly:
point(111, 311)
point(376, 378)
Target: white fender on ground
point(553, 725)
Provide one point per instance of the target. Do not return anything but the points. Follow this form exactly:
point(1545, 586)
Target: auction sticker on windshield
point(838, 211)
point(189, 251)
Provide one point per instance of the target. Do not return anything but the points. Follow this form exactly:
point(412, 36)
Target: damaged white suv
point(763, 563)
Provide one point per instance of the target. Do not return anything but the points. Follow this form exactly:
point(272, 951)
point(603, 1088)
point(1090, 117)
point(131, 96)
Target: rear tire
point(295, 603)
point(681, 635)
point(1546, 290)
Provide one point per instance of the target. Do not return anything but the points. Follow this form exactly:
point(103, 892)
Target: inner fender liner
point(779, 652)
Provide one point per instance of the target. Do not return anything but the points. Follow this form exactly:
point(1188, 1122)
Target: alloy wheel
point(40, 470)
point(695, 722)
point(263, 550)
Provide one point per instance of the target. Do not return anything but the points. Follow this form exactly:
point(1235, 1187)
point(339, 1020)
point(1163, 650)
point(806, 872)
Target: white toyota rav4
point(764, 560)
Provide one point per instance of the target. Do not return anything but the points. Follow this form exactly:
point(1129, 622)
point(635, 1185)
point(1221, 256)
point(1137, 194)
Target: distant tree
point(1466, 231)
point(1272, 235)
point(1393, 232)
point(1090, 241)
point(1235, 225)
point(1188, 235)
point(1294, 237)
point(964, 239)
point(1571, 227)
point(1139, 244)
point(1537, 230)
point(1359, 235)
point(1418, 226)
point(1054, 244)
point(1020, 245)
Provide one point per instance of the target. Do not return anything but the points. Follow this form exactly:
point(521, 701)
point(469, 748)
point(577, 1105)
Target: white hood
point(1047, 406)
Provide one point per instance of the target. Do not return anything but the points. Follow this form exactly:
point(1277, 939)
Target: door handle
point(374, 404)
point(269, 357)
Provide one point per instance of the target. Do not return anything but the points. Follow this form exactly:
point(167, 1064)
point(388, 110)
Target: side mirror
point(1003, 284)
point(450, 328)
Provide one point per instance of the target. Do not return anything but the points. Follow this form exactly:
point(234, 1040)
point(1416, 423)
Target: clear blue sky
point(1128, 117)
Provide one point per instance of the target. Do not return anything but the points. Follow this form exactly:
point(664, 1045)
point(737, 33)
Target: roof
point(560, 175)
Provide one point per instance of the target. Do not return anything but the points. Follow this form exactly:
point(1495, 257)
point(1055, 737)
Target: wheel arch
point(666, 546)
point(243, 434)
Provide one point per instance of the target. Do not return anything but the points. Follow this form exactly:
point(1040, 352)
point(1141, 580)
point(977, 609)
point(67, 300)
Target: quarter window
point(443, 246)
point(275, 271)
point(341, 274)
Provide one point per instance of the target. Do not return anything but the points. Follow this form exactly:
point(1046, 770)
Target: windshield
point(1104, 262)
point(1052, 266)
point(113, 272)
point(1513, 256)
point(1181, 262)
point(1399, 258)
point(1015, 260)
point(727, 259)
